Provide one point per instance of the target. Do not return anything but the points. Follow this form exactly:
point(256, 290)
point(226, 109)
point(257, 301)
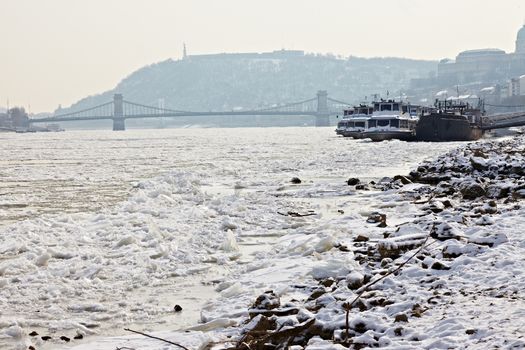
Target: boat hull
point(353, 134)
point(389, 135)
point(440, 127)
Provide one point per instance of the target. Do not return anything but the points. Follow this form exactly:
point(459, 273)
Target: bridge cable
point(76, 112)
point(155, 108)
point(284, 106)
point(337, 101)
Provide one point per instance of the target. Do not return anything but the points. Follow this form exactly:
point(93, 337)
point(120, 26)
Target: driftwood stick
point(153, 337)
point(367, 287)
point(347, 321)
point(295, 214)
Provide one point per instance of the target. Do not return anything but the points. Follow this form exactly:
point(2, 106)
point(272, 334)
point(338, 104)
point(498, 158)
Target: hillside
point(226, 81)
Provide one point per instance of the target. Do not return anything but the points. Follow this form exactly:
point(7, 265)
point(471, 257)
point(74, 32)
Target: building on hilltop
point(520, 41)
point(251, 55)
point(484, 65)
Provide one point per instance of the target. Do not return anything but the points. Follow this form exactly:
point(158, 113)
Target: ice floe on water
point(224, 225)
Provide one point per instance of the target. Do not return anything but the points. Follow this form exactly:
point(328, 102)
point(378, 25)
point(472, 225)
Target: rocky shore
point(451, 275)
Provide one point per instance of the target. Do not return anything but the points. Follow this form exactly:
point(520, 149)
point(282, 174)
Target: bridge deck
point(119, 110)
point(504, 120)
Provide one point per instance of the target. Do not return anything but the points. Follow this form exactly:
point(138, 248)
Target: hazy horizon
point(59, 51)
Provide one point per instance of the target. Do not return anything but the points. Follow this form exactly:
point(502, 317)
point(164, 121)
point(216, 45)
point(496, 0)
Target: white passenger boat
point(356, 120)
point(392, 120)
point(341, 125)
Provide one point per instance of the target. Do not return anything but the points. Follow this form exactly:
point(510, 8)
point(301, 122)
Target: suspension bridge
point(321, 107)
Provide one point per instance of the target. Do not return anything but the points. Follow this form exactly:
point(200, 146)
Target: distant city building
point(14, 118)
point(520, 42)
point(484, 65)
point(273, 54)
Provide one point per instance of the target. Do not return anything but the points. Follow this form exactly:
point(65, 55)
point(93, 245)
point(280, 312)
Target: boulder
point(479, 164)
point(267, 301)
point(403, 179)
point(353, 181)
point(377, 217)
point(498, 191)
point(401, 318)
point(472, 190)
point(295, 180)
point(355, 280)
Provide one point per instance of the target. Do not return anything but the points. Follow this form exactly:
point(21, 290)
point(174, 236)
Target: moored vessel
point(357, 121)
point(392, 120)
point(451, 121)
point(341, 125)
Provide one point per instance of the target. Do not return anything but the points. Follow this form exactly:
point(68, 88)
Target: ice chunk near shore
point(331, 268)
point(316, 343)
point(125, 241)
point(18, 334)
point(190, 340)
point(228, 224)
point(488, 238)
point(232, 290)
point(214, 324)
point(230, 243)
point(325, 244)
point(15, 332)
point(42, 259)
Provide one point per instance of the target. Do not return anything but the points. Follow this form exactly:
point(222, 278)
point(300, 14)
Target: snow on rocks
point(441, 275)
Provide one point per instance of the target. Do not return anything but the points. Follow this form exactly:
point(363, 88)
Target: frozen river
point(101, 230)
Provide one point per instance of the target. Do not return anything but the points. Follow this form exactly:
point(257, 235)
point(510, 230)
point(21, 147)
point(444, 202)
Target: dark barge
point(451, 121)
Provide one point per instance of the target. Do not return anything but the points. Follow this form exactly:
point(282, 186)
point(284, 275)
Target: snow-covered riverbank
point(460, 232)
point(461, 239)
point(217, 230)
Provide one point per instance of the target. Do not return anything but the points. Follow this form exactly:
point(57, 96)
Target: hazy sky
point(58, 51)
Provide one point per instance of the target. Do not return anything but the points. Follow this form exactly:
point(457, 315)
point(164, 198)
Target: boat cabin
point(392, 123)
point(359, 110)
point(460, 108)
point(394, 107)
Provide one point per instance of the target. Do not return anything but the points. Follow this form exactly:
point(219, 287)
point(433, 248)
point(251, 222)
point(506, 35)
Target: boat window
point(395, 107)
point(386, 107)
point(370, 110)
point(360, 124)
point(403, 124)
point(384, 122)
point(376, 106)
point(372, 123)
point(350, 124)
point(394, 123)
point(405, 109)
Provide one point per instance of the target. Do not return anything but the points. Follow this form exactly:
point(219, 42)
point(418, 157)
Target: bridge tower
point(119, 122)
point(322, 116)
